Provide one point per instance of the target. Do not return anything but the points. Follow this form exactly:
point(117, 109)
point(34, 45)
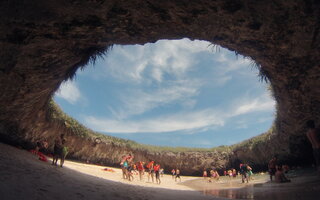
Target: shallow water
point(304, 185)
point(234, 188)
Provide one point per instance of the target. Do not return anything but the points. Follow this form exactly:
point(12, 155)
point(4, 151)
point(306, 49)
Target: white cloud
point(137, 101)
point(187, 122)
point(150, 65)
point(69, 91)
point(151, 61)
point(167, 68)
point(183, 121)
point(253, 105)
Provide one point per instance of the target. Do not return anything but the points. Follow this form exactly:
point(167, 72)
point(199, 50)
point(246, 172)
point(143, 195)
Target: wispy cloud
point(162, 75)
point(183, 121)
point(248, 105)
point(138, 101)
point(69, 92)
point(188, 122)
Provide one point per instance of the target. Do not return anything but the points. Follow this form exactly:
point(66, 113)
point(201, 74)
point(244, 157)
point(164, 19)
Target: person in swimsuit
point(205, 174)
point(234, 173)
point(178, 175)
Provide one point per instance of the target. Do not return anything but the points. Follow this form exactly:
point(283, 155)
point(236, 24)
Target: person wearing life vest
point(140, 169)
point(150, 171)
point(156, 169)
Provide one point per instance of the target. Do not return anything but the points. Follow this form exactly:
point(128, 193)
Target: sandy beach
point(24, 176)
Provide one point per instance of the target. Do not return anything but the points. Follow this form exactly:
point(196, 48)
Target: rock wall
point(44, 42)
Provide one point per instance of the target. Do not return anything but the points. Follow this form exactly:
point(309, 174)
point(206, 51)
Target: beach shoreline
point(24, 176)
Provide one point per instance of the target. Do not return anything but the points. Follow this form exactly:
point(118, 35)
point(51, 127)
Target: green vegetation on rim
point(76, 128)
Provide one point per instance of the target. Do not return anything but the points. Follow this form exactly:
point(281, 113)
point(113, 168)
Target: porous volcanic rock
point(43, 43)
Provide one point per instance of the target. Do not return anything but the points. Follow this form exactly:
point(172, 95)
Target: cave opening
point(45, 42)
point(171, 93)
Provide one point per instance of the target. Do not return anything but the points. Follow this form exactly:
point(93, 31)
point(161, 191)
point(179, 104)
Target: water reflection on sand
point(231, 193)
point(304, 186)
point(234, 189)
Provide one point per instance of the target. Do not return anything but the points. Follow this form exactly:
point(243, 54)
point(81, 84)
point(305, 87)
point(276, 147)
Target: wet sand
point(23, 176)
point(305, 184)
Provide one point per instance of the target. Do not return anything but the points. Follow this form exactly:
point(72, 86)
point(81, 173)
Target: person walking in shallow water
point(244, 173)
point(272, 167)
point(315, 142)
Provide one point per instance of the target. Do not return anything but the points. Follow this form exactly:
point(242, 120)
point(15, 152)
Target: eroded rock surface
point(44, 42)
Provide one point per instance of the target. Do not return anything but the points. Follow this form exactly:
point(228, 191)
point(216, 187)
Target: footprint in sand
point(42, 190)
point(79, 194)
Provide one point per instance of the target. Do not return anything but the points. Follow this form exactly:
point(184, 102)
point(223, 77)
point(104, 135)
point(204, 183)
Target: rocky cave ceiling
point(44, 42)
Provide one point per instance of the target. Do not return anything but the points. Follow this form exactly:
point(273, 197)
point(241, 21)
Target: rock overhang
point(44, 43)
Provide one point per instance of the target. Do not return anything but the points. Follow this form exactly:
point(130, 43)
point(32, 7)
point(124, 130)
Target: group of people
point(154, 171)
point(245, 172)
point(231, 173)
point(278, 171)
point(176, 174)
point(60, 150)
point(129, 168)
point(211, 176)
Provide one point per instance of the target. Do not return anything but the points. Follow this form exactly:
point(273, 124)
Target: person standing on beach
point(211, 176)
point(156, 169)
point(64, 152)
point(57, 149)
point(272, 167)
point(140, 169)
point(313, 138)
point(150, 171)
point(129, 172)
point(250, 173)
point(234, 173)
point(161, 172)
point(178, 175)
point(173, 172)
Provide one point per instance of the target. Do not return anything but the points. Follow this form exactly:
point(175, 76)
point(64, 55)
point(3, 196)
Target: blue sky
point(170, 93)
